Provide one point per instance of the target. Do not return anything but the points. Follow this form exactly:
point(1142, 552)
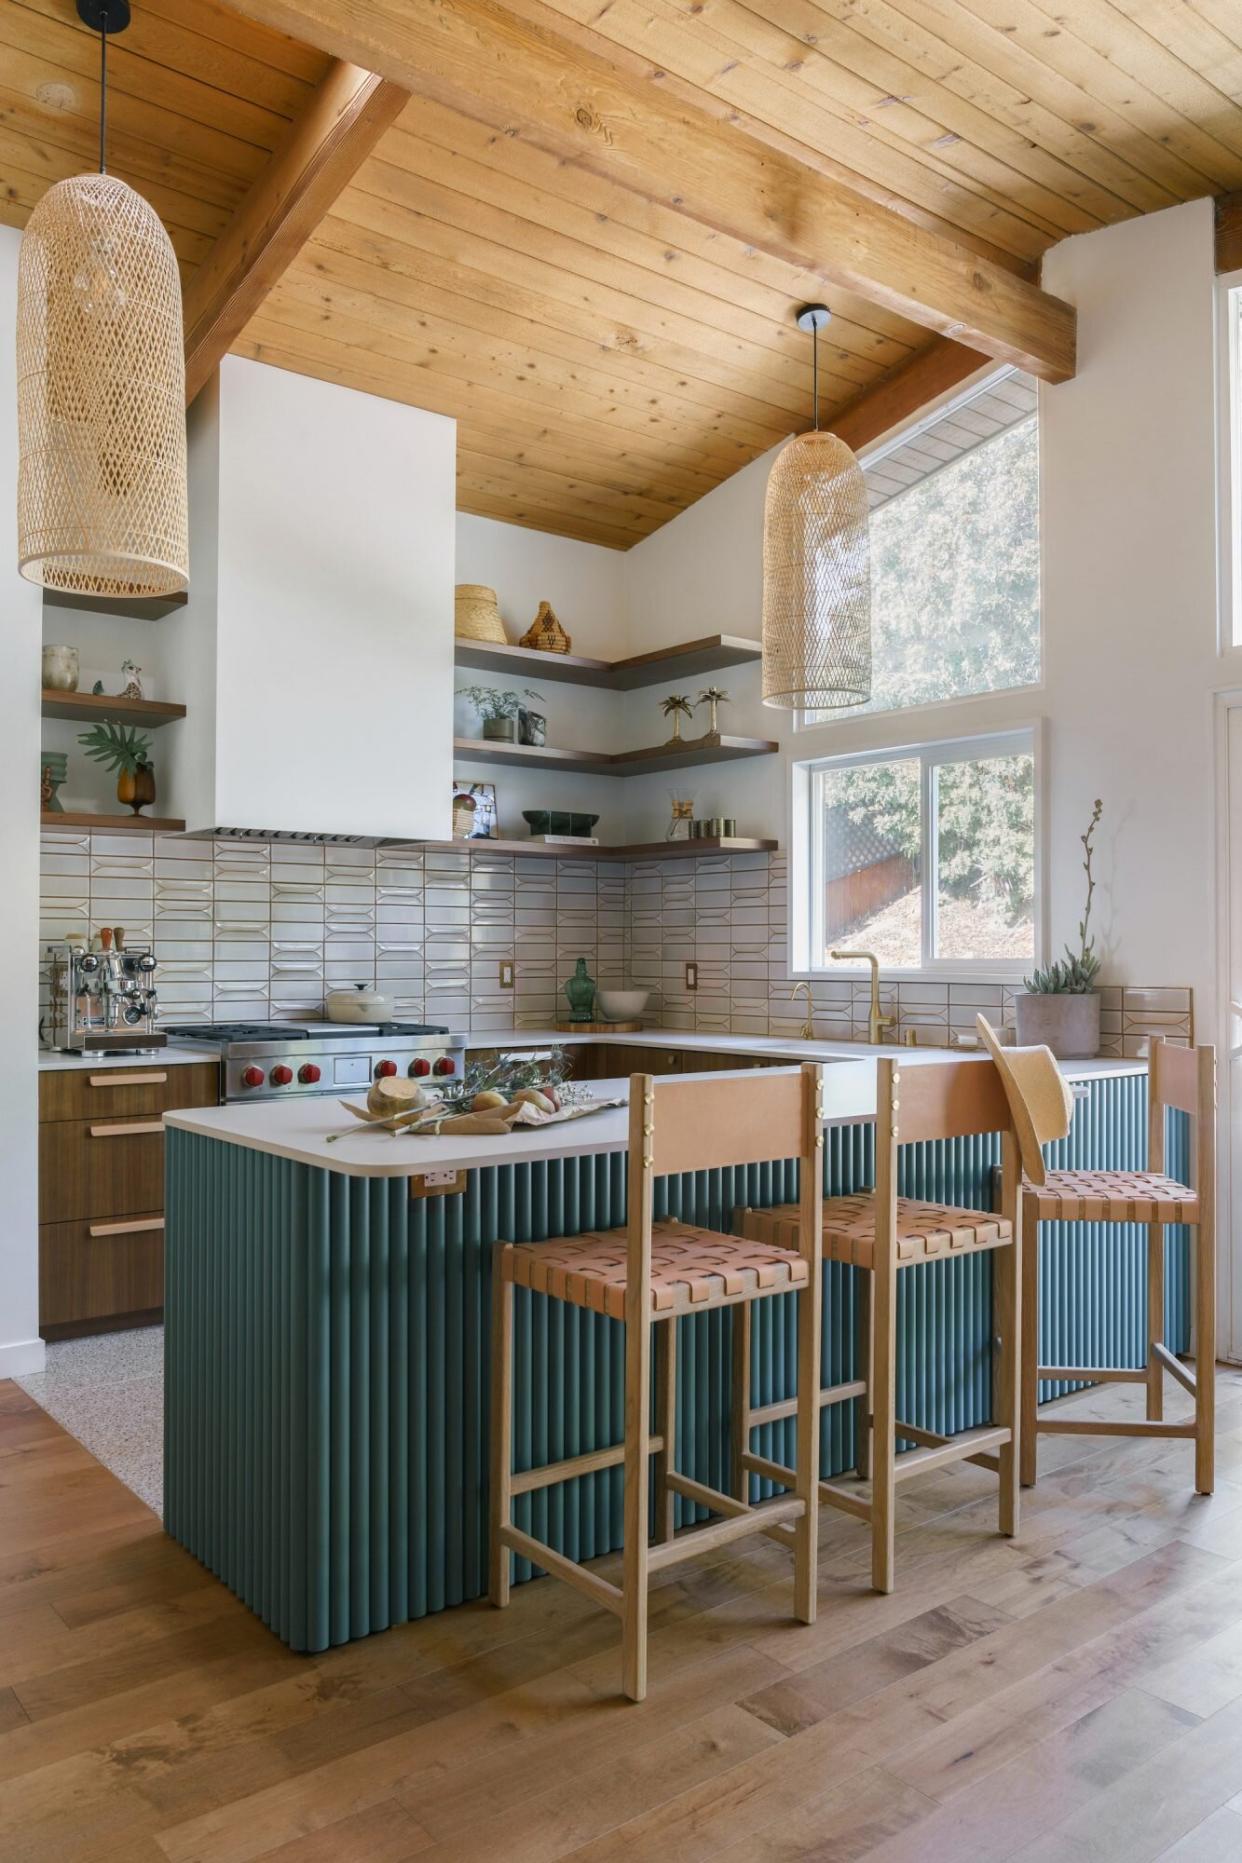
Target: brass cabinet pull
point(139, 1226)
point(127, 1080)
point(129, 1129)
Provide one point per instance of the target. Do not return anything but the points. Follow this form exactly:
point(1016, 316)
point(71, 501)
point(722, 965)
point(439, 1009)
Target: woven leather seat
point(1111, 1197)
point(925, 1231)
point(691, 1269)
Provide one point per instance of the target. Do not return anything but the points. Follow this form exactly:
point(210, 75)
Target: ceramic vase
point(60, 669)
point(580, 991)
point(1069, 1025)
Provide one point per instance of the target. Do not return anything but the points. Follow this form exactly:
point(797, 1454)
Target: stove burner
point(236, 1031)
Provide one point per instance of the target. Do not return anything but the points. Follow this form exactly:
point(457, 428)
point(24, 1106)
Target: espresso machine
point(102, 1001)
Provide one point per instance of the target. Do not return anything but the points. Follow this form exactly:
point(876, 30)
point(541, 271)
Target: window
point(925, 856)
point(955, 553)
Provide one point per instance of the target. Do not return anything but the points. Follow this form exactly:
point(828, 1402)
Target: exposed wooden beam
point(1229, 233)
point(348, 113)
point(522, 79)
point(905, 392)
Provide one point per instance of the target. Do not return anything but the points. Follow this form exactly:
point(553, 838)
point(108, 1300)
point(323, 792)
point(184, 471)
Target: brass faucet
point(808, 1027)
point(876, 1023)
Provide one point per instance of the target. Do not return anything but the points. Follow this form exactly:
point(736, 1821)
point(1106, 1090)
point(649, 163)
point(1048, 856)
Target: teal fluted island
point(327, 1321)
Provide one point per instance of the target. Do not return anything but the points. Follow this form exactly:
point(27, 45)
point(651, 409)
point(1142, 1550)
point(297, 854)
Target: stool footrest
point(788, 1406)
point(959, 1448)
point(932, 1439)
point(727, 1504)
point(595, 1587)
point(723, 1532)
point(1090, 1374)
point(848, 1503)
point(1090, 1426)
point(1188, 1379)
point(590, 1464)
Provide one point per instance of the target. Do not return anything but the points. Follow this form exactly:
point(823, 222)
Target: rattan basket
point(545, 633)
point(476, 614)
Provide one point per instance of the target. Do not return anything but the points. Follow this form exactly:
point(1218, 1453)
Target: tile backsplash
point(255, 930)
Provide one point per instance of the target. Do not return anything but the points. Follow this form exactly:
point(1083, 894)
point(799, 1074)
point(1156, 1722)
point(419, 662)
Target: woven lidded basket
point(476, 614)
point(545, 633)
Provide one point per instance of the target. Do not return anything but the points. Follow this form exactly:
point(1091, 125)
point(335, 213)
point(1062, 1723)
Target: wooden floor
point(1073, 1696)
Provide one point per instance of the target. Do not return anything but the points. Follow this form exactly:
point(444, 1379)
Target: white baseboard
point(22, 1356)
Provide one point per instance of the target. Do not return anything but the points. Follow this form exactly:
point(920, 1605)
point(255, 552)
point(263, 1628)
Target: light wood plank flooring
point(1074, 1697)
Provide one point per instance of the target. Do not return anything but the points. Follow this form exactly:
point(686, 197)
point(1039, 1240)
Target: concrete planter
point(1069, 1025)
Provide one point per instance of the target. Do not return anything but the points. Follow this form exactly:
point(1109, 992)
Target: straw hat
point(1038, 1093)
point(476, 614)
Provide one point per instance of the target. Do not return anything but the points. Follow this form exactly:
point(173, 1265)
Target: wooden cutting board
point(599, 1028)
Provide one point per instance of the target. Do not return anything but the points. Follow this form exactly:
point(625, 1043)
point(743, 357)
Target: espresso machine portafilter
point(102, 1002)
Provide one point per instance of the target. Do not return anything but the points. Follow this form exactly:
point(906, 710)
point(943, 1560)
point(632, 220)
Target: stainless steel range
point(273, 1060)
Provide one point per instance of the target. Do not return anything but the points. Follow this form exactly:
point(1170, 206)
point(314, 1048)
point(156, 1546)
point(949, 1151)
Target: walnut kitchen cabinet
point(101, 1191)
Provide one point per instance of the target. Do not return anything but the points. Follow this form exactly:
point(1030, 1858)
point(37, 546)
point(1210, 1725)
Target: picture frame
point(474, 811)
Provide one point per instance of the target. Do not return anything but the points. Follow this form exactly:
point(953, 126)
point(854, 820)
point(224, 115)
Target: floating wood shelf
point(128, 608)
point(110, 824)
point(677, 756)
point(87, 707)
point(687, 661)
point(645, 850)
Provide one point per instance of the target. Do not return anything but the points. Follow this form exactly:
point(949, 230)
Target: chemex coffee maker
point(102, 1001)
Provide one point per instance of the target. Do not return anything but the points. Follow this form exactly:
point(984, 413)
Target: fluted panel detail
point(328, 1348)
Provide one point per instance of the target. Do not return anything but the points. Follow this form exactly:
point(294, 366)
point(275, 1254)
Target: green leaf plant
point(1076, 972)
point(117, 747)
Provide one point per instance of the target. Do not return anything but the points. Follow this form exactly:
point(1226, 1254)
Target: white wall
point(21, 1349)
point(334, 632)
point(1129, 598)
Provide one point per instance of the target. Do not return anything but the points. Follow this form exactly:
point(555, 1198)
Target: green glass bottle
point(581, 993)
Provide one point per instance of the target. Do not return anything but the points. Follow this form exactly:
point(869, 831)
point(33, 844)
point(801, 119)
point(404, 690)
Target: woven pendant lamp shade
point(100, 396)
point(816, 578)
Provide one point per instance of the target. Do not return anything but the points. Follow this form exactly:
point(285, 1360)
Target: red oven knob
point(419, 1068)
point(384, 1068)
point(281, 1076)
point(252, 1077)
point(308, 1073)
point(446, 1065)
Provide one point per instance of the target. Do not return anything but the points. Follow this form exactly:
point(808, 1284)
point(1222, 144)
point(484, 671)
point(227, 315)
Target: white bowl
point(622, 1005)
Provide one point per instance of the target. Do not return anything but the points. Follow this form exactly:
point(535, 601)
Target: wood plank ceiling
point(609, 359)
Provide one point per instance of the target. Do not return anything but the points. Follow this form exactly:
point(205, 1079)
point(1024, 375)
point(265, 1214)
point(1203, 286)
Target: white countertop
point(176, 1054)
point(299, 1129)
point(782, 1047)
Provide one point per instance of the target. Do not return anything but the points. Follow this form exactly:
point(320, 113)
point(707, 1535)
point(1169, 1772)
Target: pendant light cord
point(103, 91)
point(815, 375)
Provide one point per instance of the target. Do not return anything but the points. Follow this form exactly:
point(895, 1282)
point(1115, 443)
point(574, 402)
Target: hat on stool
point(1038, 1093)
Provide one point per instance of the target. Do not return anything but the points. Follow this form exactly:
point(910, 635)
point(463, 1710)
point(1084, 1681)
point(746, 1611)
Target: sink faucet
point(808, 1027)
point(876, 1023)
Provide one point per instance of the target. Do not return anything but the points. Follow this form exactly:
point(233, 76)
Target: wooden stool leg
point(806, 1530)
point(501, 1470)
point(1028, 1374)
point(1006, 1321)
point(739, 1431)
point(1205, 1354)
point(884, 1423)
point(863, 1353)
point(634, 1559)
point(666, 1425)
point(1155, 1321)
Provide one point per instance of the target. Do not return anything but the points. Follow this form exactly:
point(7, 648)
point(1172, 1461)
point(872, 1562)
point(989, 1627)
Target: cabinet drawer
point(99, 1168)
point(621, 1059)
point(126, 1092)
point(93, 1270)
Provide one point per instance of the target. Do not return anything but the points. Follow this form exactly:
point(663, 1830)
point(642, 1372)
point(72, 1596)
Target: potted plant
point(1060, 1006)
point(118, 747)
point(499, 709)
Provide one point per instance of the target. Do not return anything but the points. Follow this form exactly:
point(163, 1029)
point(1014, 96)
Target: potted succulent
point(500, 710)
point(1060, 1006)
point(118, 747)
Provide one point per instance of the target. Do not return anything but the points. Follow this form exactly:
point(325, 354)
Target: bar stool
point(1182, 1078)
point(879, 1233)
point(647, 1275)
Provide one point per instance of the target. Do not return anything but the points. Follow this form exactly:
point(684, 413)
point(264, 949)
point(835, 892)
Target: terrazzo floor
point(108, 1391)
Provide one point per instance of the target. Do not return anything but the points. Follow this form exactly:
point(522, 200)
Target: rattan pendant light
point(816, 567)
point(100, 383)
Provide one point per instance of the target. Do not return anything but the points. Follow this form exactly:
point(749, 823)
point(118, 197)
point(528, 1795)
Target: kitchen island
point(327, 1346)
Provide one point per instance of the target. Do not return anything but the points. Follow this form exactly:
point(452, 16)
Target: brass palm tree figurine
point(713, 696)
point(676, 706)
